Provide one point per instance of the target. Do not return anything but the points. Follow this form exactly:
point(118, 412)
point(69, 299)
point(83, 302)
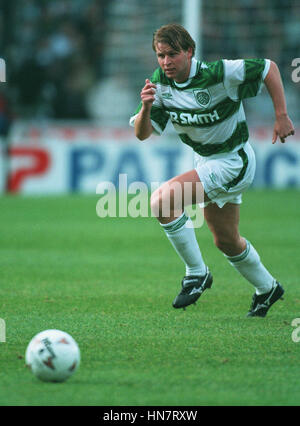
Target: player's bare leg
point(224, 225)
point(168, 203)
point(169, 200)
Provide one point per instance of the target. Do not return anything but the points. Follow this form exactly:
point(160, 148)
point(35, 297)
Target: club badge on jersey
point(203, 97)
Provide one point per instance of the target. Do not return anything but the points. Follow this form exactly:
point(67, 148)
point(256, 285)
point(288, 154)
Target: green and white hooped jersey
point(207, 110)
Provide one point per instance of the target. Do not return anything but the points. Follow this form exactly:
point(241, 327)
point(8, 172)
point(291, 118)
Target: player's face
point(176, 65)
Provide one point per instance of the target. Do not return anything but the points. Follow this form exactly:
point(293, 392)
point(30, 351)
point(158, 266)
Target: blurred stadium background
point(74, 71)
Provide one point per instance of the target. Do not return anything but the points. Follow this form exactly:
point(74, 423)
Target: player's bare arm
point(143, 127)
point(283, 126)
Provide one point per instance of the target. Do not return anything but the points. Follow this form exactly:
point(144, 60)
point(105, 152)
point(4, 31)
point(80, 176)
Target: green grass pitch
point(110, 284)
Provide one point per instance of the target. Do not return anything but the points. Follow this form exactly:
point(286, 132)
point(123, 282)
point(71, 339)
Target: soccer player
point(203, 100)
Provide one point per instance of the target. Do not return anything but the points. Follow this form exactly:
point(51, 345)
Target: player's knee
point(167, 200)
point(161, 203)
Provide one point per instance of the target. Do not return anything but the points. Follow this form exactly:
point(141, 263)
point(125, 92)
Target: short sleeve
point(243, 78)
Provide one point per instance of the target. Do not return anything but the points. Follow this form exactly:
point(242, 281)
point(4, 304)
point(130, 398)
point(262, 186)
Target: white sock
point(249, 265)
point(181, 233)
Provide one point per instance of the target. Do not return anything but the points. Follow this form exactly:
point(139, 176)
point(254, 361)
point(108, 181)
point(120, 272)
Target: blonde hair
point(174, 35)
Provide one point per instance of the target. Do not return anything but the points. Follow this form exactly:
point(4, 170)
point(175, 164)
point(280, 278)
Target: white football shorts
point(226, 176)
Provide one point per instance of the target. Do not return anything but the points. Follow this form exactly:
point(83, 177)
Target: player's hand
point(283, 128)
point(148, 93)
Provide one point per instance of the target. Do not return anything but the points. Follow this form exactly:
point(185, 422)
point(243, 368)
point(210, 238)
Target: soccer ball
point(52, 355)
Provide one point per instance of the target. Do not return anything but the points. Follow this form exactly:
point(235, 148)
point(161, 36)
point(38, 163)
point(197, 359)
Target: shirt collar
point(192, 74)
